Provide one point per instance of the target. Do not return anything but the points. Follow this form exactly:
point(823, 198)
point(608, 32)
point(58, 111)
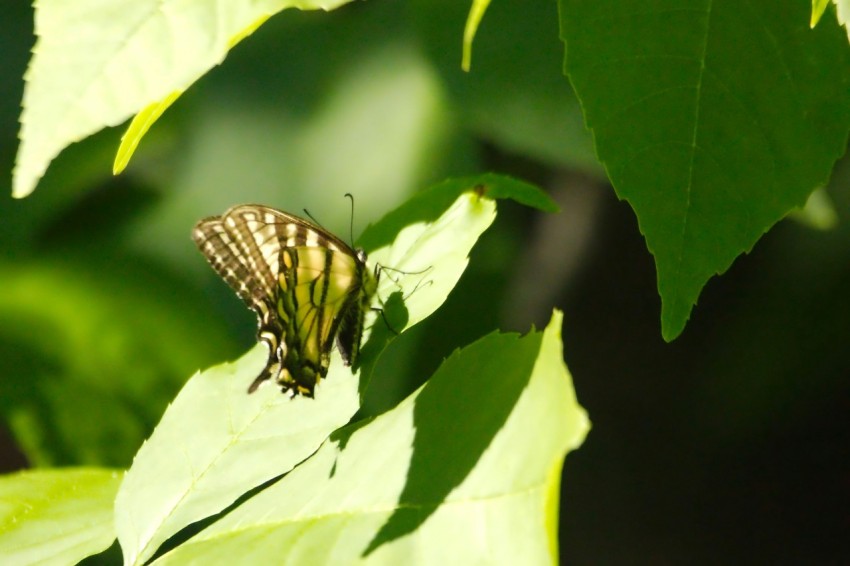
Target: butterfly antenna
point(351, 220)
point(313, 218)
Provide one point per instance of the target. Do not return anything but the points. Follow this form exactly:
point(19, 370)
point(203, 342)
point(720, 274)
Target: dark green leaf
point(713, 119)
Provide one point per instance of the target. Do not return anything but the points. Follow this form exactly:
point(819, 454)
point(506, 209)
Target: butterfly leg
point(264, 375)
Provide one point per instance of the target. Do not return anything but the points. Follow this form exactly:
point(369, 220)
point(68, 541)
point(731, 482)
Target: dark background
point(729, 445)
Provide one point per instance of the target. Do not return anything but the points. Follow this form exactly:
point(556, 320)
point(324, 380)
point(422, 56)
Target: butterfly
point(307, 287)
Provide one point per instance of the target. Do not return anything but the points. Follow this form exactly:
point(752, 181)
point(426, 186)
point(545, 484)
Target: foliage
point(216, 443)
point(712, 121)
point(423, 479)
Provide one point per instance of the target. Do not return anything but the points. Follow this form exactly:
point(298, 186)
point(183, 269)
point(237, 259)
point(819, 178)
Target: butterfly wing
point(350, 330)
point(303, 283)
point(244, 248)
point(319, 287)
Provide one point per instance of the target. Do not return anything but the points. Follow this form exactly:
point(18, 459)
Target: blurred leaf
point(216, 442)
point(475, 15)
point(516, 96)
point(712, 122)
point(86, 346)
point(75, 175)
point(818, 212)
point(56, 517)
point(431, 481)
point(97, 63)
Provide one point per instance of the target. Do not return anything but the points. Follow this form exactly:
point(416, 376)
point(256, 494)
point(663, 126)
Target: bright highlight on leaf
point(464, 472)
point(56, 517)
point(98, 62)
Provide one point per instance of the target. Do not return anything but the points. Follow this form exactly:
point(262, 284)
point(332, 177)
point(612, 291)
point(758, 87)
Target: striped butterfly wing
point(305, 285)
point(320, 289)
point(244, 249)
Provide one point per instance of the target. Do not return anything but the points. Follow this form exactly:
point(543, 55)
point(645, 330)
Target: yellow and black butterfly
point(307, 287)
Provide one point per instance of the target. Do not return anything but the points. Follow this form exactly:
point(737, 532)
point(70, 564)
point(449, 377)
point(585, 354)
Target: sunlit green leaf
point(140, 125)
point(842, 11)
point(430, 204)
point(97, 62)
point(56, 517)
point(465, 471)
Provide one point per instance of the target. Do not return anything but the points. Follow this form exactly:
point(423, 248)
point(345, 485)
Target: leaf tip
point(24, 179)
point(672, 324)
point(818, 8)
point(476, 12)
point(138, 127)
point(555, 322)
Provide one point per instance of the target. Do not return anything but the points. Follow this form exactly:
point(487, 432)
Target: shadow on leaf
point(388, 324)
point(456, 416)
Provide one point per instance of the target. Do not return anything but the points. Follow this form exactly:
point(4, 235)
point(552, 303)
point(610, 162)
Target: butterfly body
point(308, 288)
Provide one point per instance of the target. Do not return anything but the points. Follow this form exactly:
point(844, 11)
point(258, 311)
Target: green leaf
point(464, 471)
point(430, 204)
point(216, 442)
point(713, 119)
point(96, 63)
point(57, 516)
point(426, 259)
